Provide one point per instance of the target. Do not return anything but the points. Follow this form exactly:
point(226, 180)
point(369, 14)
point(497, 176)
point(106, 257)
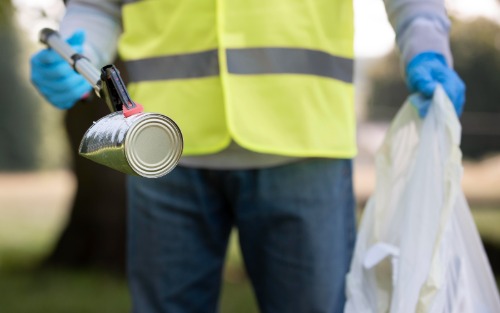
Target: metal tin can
point(144, 144)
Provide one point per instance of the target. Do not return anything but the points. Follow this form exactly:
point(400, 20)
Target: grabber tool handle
point(107, 83)
point(115, 93)
point(79, 63)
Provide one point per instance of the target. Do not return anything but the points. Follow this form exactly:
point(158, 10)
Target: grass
point(23, 290)
point(62, 291)
point(488, 222)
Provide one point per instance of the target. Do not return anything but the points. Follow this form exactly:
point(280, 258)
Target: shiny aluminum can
point(144, 144)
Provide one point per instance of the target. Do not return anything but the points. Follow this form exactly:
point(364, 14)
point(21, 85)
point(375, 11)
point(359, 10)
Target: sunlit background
point(38, 185)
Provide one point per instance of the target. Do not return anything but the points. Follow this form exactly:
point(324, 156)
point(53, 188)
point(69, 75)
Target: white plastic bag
point(418, 249)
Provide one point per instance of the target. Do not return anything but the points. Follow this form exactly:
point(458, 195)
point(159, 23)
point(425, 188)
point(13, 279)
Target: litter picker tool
point(128, 139)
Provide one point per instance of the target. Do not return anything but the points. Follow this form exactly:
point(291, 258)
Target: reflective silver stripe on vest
point(289, 61)
point(183, 66)
point(250, 61)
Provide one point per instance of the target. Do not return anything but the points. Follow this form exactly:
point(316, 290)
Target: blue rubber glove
point(55, 79)
point(424, 72)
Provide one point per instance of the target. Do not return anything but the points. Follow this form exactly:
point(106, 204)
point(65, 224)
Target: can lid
point(153, 145)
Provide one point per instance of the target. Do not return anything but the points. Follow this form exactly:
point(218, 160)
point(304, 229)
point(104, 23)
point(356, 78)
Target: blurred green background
point(62, 230)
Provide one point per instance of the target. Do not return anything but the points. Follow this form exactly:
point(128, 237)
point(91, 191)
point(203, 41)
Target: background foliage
point(476, 49)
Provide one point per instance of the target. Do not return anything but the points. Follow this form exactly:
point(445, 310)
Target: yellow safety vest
point(275, 76)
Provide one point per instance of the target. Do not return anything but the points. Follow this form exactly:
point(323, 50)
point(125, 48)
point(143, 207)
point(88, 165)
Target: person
point(263, 92)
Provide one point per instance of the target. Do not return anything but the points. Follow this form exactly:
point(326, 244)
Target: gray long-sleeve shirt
point(420, 25)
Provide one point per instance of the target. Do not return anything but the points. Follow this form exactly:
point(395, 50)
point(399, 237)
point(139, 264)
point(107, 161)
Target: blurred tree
point(95, 233)
point(19, 122)
point(387, 90)
point(476, 50)
point(476, 47)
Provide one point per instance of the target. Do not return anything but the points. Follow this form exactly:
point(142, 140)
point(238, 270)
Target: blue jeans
point(296, 225)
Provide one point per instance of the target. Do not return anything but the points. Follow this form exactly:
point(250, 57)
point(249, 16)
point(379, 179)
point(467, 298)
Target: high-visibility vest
point(275, 76)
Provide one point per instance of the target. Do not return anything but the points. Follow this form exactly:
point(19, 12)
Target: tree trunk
point(19, 122)
point(95, 233)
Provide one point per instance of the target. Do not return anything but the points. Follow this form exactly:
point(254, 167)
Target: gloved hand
point(55, 78)
point(424, 72)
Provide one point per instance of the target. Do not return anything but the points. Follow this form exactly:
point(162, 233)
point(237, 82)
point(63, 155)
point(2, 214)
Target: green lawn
point(62, 291)
point(59, 291)
point(488, 222)
point(24, 290)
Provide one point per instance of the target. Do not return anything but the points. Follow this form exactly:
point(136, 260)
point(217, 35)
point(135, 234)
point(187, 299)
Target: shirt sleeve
point(101, 21)
point(420, 26)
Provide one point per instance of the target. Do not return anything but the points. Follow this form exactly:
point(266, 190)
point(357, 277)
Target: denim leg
point(178, 227)
point(297, 229)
